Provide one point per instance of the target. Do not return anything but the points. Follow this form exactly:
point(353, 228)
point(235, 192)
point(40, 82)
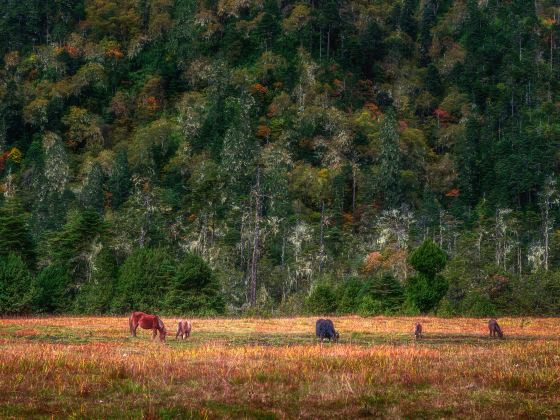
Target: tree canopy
point(220, 152)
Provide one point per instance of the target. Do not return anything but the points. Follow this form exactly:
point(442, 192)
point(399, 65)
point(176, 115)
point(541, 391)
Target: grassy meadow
point(63, 367)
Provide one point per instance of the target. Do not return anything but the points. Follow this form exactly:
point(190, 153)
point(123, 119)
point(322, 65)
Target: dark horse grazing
point(495, 329)
point(147, 322)
point(418, 331)
point(324, 328)
point(183, 329)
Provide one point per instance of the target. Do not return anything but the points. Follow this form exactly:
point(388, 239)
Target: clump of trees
point(304, 153)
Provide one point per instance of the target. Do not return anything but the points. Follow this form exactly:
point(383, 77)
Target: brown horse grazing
point(147, 322)
point(183, 329)
point(418, 331)
point(495, 329)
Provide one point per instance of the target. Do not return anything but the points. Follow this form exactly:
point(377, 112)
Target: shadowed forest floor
point(274, 368)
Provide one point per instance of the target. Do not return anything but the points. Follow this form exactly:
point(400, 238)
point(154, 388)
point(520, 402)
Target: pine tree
point(426, 289)
point(145, 269)
point(433, 81)
point(74, 246)
point(194, 288)
point(426, 24)
point(50, 287)
point(370, 49)
point(383, 293)
point(16, 291)
point(407, 21)
point(268, 27)
point(15, 236)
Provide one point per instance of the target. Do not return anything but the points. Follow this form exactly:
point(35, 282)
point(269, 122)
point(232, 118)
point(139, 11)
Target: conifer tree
point(407, 21)
point(426, 24)
point(15, 236)
point(426, 289)
point(16, 292)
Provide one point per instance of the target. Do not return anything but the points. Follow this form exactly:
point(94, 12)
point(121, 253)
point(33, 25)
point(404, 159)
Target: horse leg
point(132, 326)
point(154, 333)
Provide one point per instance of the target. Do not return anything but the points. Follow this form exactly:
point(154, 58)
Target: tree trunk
point(321, 238)
point(353, 192)
point(256, 241)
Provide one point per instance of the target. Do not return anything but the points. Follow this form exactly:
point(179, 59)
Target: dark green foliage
point(467, 161)
point(16, 289)
point(92, 196)
point(96, 295)
point(381, 295)
point(51, 286)
point(372, 126)
point(348, 296)
point(427, 288)
point(119, 182)
point(194, 289)
point(539, 294)
point(427, 22)
point(478, 305)
point(425, 292)
point(14, 231)
point(407, 21)
point(428, 259)
point(72, 246)
point(142, 281)
point(321, 300)
point(389, 181)
point(433, 81)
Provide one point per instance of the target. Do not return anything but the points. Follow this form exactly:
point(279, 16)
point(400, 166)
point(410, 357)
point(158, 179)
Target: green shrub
point(194, 289)
point(348, 296)
point(369, 306)
point(428, 259)
point(478, 305)
point(426, 292)
point(16, 289)
point(446, 309)
point(143, 280)
point(426, 289)
point(385, 290)
point(321, 300)
point(51, 290)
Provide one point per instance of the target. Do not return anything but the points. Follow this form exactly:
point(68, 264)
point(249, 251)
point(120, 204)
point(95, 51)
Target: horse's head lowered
point(161, 329)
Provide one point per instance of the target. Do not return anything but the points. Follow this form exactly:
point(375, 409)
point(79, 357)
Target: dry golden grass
point(274, 368)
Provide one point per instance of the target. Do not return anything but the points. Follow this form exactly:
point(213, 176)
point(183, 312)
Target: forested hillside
point(251, 156)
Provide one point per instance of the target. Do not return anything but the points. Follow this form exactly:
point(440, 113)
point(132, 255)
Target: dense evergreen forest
point(280, 156)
